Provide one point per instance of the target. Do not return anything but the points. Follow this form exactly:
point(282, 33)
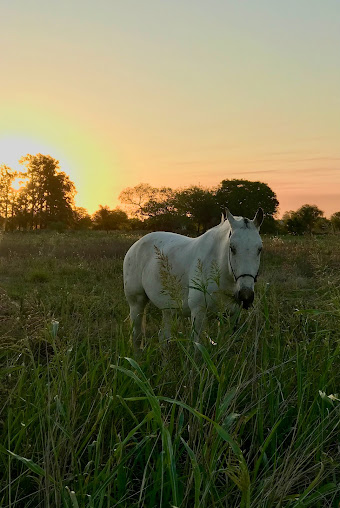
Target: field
point(251, 422)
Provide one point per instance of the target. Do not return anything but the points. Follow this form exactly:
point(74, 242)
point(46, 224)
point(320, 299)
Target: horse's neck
point(219, 234)
point(216, 241)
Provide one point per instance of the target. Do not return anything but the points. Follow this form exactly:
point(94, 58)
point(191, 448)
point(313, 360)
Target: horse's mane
point(246, 222)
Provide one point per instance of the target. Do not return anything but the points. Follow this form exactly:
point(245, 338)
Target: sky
point(175, 93)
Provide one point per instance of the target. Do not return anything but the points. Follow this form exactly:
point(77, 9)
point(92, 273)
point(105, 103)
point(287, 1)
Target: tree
point(135, 198)
point(108, 220)
point(243, 198)
point(49, 193)
point(322, 226)
point(293, 223)
point(200, 205)
point(81, 218)
point(190, 208)
point(136, 224)
point(7, 193)
point(159, 212)
point(161, 203)
point(303, 220)
point(168, 221)
point(308, 215)
point(335, 221)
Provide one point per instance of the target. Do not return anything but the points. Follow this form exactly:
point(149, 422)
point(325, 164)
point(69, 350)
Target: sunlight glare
point(18, 183)
point(12, 148)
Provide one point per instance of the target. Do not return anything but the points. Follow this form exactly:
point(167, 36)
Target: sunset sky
point(175, 93)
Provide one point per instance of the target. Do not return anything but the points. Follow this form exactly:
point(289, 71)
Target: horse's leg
point(165, 333)
point(198, 322)
point(137, 316)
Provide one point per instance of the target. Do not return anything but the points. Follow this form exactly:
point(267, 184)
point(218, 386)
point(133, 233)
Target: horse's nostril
point(246, 297)
point(246, 304)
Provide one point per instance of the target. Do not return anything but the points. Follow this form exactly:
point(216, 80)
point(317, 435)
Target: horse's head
point(244, 251)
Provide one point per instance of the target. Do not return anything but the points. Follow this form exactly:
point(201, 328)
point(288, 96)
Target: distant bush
point(335, 221)
point(304, 220)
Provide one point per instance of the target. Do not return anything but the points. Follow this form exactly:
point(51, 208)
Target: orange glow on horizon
point(277, 172)
point(100, 174)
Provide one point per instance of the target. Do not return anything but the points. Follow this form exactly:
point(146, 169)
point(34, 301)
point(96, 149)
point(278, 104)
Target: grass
point(250, 422)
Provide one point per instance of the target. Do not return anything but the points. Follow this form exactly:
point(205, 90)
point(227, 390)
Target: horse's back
point(141, 266)
point(148, 245)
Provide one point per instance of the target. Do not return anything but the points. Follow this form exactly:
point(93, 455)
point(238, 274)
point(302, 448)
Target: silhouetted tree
point(108, 220)
point(20, 217)
point(170, 209)
point(190, 208)
point(168, 221)
point(160, 204)
point(293, 223)
point(322, 226)
point(244, 197)
point(135, 198)
point(49, 193)
point(335, 221)
point(81, 218)
point(136, 224)
point(200, 205)
point(160, 213)
point(302, 220)
point(309, 214)
point(7, 193)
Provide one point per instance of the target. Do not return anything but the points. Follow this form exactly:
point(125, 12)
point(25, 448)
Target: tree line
point(45, 200)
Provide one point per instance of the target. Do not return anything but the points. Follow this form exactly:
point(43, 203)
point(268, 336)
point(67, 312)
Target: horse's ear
point(230, 218)
point(222, 218)
point(258, 219)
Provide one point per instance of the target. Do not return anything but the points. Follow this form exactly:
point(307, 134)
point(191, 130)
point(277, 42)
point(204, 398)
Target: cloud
point(300, 159)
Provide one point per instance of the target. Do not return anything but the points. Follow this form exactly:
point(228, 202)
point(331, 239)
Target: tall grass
point(250, 422)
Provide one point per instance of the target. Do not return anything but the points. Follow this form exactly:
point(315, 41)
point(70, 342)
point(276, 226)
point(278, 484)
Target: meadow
point(253, 421)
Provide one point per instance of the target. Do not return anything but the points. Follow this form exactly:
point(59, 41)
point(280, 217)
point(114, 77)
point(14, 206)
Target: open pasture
point(253, 421)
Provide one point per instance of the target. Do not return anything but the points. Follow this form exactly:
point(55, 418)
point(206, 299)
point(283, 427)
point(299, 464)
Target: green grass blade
point(196, 471)
point(220, 430)
point(263, 450)
point(210, 364)
point(145, 387)
point(32, 466)
point(171, 463)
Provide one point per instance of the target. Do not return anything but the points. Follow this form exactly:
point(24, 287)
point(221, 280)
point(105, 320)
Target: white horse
point(196, 276)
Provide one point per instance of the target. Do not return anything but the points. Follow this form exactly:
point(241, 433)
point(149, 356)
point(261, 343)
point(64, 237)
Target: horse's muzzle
point(245, 297)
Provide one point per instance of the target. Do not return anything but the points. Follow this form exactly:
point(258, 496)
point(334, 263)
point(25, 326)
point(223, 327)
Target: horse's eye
point(260, 250)
point(233, 249)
